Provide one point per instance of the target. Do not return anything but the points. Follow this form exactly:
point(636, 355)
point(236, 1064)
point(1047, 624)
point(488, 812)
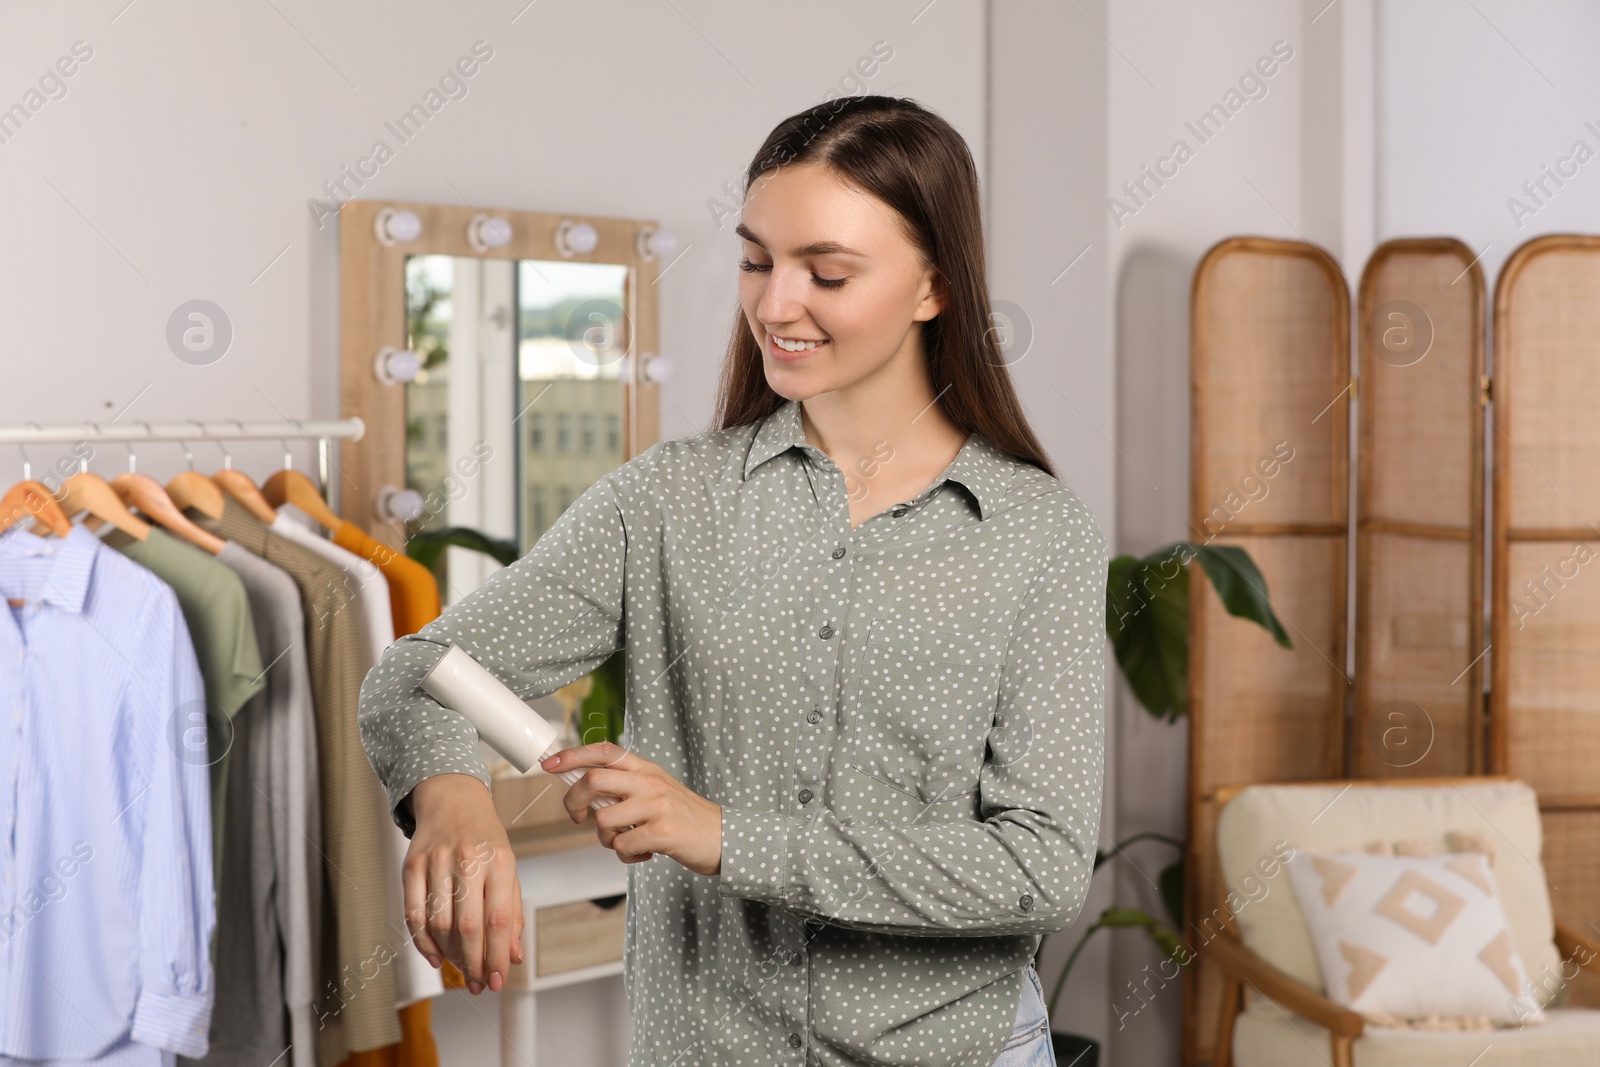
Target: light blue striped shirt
point(106, 897)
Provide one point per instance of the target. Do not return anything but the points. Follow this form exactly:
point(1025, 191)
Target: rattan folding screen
point(1417, 707)
point(1269, 472)
point(1270, 362)
point(1545, 671)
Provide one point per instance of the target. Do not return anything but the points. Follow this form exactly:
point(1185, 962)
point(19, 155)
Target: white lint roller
point(510, 726)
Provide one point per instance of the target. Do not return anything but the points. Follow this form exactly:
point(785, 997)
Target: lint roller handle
point(520, 734)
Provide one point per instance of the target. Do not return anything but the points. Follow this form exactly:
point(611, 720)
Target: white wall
point(1048, 258)
point(1274, 168)
point(1478, 99)
point(181, 159)
point(180, 162)
point(1394, 118)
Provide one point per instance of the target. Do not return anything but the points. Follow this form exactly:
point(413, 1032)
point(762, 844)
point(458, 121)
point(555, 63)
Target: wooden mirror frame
point(372, 316)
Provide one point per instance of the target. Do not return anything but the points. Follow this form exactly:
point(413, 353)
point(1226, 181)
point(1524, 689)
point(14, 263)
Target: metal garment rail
point(131, 433)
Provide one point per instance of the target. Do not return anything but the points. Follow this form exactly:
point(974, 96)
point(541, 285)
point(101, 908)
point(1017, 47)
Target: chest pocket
point(923, 709)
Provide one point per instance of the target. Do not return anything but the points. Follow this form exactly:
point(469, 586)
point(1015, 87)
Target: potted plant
point(1147, 619)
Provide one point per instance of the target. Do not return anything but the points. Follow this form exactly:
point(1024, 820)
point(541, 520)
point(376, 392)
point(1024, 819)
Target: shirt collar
point(982, 468)
point(66, 582)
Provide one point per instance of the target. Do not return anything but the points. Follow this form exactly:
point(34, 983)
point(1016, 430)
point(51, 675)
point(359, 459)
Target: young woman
point(863, 621)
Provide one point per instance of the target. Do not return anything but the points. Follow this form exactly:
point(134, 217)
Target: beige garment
point(414, 978)
point(355, 1005)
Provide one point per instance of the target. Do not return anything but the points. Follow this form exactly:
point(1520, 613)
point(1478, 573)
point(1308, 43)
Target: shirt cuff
point(755, 856)
point(447, 756)
point(178, 1022)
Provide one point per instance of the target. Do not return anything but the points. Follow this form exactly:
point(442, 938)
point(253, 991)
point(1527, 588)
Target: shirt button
point(805, 796)
point(814, 716)
point(1026, 902)
point(899, 512)
point(794, 1040)
point(838, 553)
point(797, 958)
point(826, 632)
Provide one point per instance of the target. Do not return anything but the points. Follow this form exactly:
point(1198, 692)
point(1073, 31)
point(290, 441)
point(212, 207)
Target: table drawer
point(569, 937)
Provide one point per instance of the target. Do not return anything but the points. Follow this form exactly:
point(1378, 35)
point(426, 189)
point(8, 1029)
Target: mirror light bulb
point(399, 505)
point(486, 233)
point(663, 243)
point(581, 238)
point(396, 366)
point(396, 226)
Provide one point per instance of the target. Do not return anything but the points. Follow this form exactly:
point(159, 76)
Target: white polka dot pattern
point(903, 723)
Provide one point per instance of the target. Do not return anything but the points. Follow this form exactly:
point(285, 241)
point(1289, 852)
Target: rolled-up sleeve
point(1023, 869)
point(541, 623)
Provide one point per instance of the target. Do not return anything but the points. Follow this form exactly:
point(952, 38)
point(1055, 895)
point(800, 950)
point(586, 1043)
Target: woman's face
point(824, 261)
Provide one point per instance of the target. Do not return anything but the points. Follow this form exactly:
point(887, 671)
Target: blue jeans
point(1029, 1042)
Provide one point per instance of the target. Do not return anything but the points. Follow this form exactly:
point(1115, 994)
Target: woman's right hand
point(463, 899)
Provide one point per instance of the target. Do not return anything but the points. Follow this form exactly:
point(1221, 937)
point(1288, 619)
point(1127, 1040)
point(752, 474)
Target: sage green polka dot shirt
point(903, 724)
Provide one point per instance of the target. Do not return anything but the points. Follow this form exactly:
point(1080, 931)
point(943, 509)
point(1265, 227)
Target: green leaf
point(600, 717)
point(1161, 935)
point(1167, 941)
point(1118, 918)
point(1147, 616)
point(426, 547)
point(1170, 881)
point(1147, 619)
point(1240, 586)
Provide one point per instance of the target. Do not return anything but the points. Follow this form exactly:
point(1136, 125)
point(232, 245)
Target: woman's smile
point(775, 345)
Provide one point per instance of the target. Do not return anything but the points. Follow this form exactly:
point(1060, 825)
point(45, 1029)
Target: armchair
point(1266, 948)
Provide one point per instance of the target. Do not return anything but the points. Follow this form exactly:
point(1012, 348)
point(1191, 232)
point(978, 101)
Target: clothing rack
point(129, 433)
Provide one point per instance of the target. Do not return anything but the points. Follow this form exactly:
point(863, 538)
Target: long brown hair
point(918, 164)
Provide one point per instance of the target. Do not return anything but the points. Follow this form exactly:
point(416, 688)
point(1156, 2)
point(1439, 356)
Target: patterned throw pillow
point(1413, 940)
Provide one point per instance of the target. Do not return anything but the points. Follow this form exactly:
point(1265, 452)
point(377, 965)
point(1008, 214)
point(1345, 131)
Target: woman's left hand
point(654, 812)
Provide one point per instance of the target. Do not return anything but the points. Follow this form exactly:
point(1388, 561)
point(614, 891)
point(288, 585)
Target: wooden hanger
point(289, 486)
point(145, 493)
point(242, 487)
point(238, 485)
point(87, 491)
point(191, 489)
point(30, 498)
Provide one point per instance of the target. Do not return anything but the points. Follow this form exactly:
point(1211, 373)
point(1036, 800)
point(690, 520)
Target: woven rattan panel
point(1547, 315)
point(1417, 703)
point(1552, 689)
point(1544, 709)
point(1572, 864)
point(1271, 713)
point(1270, 370)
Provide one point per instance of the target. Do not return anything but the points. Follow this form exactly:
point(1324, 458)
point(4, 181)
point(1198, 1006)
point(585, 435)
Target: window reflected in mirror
point(569, 398)
point(518, 405)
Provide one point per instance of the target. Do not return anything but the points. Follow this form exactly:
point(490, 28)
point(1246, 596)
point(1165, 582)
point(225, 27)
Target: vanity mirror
point(502, 361)
point(516, 405)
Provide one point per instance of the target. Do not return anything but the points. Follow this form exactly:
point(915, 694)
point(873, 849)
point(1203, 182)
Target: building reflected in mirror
point(569, 352)
point(518, 406)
